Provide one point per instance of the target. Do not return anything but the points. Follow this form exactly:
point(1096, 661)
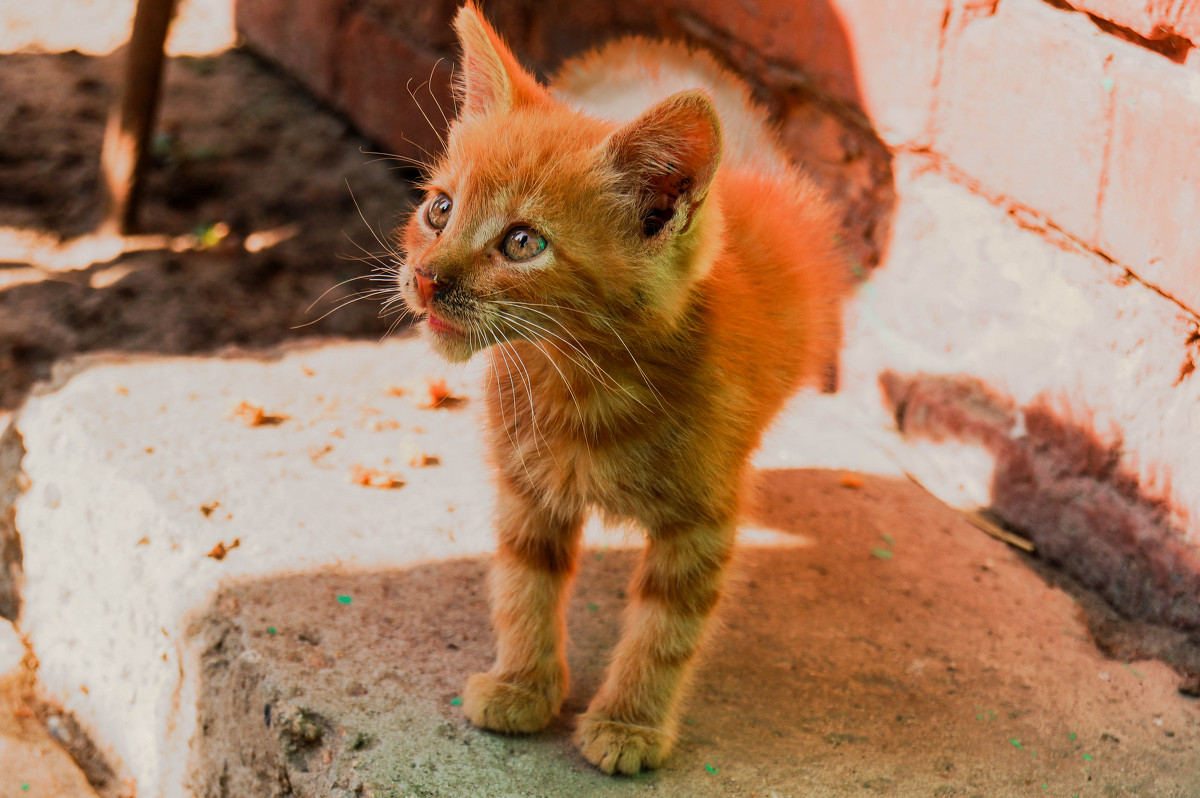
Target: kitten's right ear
point(669, 154)
point(491, 79)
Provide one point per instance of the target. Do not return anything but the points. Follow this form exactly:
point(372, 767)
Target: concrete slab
point(875, 640)
point(138, 470)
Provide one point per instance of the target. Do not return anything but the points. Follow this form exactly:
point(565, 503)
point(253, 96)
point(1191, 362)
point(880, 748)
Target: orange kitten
point(651, 279)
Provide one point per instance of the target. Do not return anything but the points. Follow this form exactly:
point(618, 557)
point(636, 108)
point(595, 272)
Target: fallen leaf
point(374, 478)
point(418, 457)
point(435, 394)
point(220, 550)
point(851, 480)
point(255, 416)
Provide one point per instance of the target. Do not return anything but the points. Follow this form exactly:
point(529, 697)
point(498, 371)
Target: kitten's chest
point(589, 446)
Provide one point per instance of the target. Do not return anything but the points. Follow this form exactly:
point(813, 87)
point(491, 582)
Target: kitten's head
point(542, 223)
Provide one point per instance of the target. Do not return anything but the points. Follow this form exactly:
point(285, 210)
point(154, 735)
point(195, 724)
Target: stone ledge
point(323, 654)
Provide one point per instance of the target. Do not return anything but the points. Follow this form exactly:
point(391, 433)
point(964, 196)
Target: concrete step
point(873, 637)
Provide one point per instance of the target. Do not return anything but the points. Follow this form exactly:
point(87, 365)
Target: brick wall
point(1105, 98)
point(943, 128)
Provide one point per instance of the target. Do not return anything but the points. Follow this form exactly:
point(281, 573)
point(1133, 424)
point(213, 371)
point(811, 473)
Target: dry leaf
point(374, 478)
point(255, 416)
point(418, 457)
point(220, 550)
point(435, 394)
point(851, 480)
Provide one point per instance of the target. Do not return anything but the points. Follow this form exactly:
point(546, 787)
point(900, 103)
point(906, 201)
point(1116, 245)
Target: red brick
point(1150, 213)
point(378, 68)
point(300, 36)
point(1153, 19)
point(1023, 109)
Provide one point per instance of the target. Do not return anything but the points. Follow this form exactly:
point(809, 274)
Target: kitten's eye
point(438, 212)
point(523, 243)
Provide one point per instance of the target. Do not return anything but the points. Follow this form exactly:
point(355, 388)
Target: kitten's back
point(622, 79)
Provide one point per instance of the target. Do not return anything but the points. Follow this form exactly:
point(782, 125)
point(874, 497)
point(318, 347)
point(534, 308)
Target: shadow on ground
point(1099, 533)
point(880, 644)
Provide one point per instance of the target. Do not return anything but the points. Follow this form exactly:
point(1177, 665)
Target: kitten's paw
point(491, 703)
point(616, 747)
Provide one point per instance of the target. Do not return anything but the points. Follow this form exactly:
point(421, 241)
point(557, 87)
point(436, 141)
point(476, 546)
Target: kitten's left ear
point(671, 153)
point(491, 79)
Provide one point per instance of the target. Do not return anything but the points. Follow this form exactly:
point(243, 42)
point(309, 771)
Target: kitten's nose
point(427, 284)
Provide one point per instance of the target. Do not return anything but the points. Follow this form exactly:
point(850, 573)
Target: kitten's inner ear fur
point(671, 152)
point(491, 79)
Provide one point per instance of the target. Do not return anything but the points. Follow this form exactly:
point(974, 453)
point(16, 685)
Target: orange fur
point(689, 284)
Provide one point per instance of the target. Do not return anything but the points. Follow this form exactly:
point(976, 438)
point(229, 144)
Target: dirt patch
point(251, 179)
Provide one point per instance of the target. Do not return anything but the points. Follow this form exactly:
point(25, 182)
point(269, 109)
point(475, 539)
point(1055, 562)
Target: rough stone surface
point(143, 511)
point(11, 486)
point(954, 650)
point(1151, 201)
point(12, 651)
point(896, 51)
point(1067, 491)
point(1022, 98)
point(31, 762)
point(1153, 19)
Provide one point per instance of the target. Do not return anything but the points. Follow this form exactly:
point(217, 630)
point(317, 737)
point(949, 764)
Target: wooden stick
point(131, 123)
point(979, 522)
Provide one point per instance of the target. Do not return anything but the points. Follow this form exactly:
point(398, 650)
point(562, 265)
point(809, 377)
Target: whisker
point(378, 240)
point(429, 87)
point(576, 346)
point(606, 379)
point(343, 305)
point(500, 392)
point(336, 285)
point(392, 327)
point(428, 154)
point(578, 410)
point(411, 93)
point(532, 306)
point(524, 371)
point(391, 156)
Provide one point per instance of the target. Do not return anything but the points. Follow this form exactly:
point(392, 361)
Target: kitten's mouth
point(440, 325)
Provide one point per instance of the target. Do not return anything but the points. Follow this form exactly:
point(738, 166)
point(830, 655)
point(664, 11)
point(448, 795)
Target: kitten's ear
point(491, 79)
point(671, 153)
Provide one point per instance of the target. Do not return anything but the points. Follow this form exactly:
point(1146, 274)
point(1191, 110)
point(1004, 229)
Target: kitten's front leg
point(530, 575)
point(631, 723)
